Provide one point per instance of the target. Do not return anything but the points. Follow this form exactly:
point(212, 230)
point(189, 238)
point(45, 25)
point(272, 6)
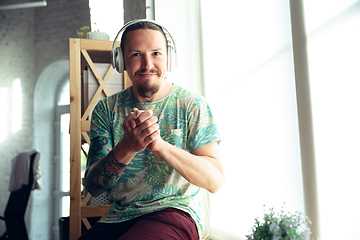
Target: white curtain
point(250, 84)
point(333, 31)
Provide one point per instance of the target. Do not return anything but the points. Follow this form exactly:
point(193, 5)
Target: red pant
point(166, 224)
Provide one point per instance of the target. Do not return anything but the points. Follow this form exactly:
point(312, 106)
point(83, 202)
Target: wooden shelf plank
point(94, 211)
point(75, 138)
point(97, 45)
point(82, 51)
point(85, 125)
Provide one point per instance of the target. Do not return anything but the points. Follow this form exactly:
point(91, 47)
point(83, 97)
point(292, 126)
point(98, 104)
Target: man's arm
point(103, 169)
point(105, 163)
point(201, 167)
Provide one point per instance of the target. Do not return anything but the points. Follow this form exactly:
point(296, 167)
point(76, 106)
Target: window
point(250, 85)
point(62, 157)
point(252, 93)
point(107, 19)
point(334, 60)
point(11, 109)
point(62, 154)
point(4, 110)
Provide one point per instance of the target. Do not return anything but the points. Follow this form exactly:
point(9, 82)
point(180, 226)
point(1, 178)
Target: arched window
point(48, 89)
point(62, 154)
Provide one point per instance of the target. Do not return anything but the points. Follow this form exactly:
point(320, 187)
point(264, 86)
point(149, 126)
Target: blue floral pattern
point(148, 183)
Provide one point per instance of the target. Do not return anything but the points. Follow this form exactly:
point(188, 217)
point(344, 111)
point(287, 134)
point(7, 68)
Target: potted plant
point(280, 226)
point(85, 32)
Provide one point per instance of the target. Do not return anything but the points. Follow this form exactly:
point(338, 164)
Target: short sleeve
point(100, 123)
point(202, 128)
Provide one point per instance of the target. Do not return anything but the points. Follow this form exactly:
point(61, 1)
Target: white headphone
point(117, 59)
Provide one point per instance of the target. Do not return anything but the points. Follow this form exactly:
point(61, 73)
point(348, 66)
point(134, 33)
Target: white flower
point(274, 228)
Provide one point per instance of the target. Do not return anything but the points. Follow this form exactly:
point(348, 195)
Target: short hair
point(141, 25)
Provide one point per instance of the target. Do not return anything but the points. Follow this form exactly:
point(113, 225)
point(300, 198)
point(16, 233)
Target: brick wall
point(16, 62)
point(30, 40)
point(54, 25)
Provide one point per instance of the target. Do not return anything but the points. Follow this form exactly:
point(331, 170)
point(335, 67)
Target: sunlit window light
point(65, 95)
point(16, 119)
point(65, 202)
point(65, 153)
point(259, 92)
point(106, 19)
point(333, 50)
point(4, 113)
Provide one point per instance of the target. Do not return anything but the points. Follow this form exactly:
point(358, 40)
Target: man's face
point(145, 59)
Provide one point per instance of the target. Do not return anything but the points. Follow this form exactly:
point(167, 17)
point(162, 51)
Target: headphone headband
point(117, 61)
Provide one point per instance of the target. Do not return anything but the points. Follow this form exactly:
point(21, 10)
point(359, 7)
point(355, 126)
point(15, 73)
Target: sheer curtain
point(334, 58)
point(250, 84)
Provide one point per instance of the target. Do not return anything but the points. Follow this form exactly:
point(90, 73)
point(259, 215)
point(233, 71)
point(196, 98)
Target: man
point(153, 144)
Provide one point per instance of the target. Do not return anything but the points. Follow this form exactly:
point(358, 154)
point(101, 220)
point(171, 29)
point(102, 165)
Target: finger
point(132, 123)
point(144, 116)
point(146, 128)
point(125, 124)
point(152, 137)
point(149, 130)
point(141, 136)
point(137, 113)
point(129, 122)
point(147, 123)
point(125, 127)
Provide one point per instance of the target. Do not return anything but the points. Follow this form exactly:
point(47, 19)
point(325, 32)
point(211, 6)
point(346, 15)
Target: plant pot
point(97, 35)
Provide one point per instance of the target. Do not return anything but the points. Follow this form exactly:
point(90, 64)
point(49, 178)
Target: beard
point(145, 90)
point(148, 91)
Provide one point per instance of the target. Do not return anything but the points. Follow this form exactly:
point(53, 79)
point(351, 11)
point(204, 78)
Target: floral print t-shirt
point(148, 183)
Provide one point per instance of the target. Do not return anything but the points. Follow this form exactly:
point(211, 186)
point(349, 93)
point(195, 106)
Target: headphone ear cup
point(119, 60)
point(171, 63)
point(172, 59)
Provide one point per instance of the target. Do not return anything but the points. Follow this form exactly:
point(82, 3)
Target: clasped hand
point(142, 131)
